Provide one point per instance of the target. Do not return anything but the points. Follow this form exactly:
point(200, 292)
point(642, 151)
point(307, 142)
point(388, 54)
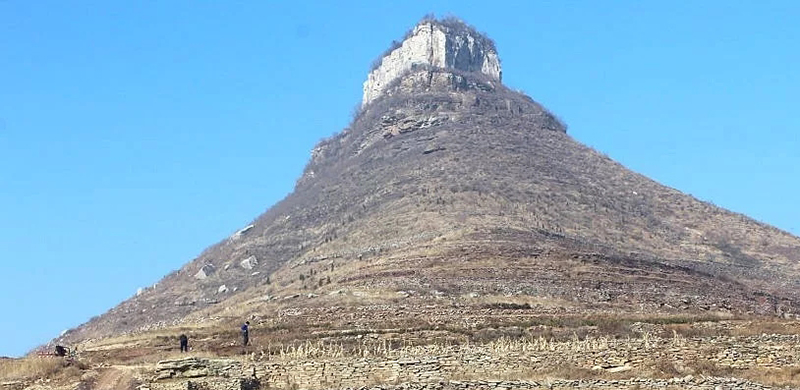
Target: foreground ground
point(468, 343)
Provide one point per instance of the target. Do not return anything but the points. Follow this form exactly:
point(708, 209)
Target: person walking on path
point(246, 333)
point(184, 343)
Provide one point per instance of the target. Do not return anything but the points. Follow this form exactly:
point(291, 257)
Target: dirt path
point(116, 378)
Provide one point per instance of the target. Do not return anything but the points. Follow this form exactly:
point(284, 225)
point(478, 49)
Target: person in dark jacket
point(246, 333)
point(184, 343)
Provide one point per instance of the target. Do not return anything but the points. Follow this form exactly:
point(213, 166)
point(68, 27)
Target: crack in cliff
point(430, 56)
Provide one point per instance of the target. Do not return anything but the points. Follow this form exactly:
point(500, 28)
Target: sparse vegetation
point(36, 367)
point(457, 218)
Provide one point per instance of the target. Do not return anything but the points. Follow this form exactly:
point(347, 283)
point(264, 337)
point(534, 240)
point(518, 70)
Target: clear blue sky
point(133, 134)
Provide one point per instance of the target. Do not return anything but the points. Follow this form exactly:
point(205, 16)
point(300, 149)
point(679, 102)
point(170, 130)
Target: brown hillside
point(452, 186)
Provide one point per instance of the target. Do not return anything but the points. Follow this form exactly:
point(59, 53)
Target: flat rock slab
point(193, 367)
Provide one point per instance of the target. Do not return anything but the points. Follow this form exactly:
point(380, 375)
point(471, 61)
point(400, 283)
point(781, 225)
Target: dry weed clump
point(708, 368)
point(665, 368)
point(668, 368)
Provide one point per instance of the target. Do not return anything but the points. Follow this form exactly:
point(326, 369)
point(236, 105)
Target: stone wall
point(431, 364)
point(432, 44)
point(688, 382)
point(497, 362)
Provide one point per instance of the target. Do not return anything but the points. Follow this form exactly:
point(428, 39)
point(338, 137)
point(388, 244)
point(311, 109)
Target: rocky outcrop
point(435, 44)
point(196, 367)
point(204, 272)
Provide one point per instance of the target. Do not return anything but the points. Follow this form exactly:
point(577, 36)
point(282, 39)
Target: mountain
point(449, 186)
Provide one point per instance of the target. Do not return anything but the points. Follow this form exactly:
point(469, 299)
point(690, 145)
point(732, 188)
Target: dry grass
point(391, 349)
point(564, 371)
point(666, 368)
point(293, 336)
point(786, 376)
point(144, 339)
point(693, 331)
point(492, 300)
point(378, 344)
point(36, 367)
point(568, 371)
point(505, 331)
point(756, 328)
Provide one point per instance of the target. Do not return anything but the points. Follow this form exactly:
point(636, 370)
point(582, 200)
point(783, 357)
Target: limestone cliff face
point(442, 45)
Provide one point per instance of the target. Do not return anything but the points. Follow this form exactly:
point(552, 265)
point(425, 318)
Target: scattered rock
point(432, 149)
point(619, 368)
point(242, 232)
point(204, 272)
point(249, 263)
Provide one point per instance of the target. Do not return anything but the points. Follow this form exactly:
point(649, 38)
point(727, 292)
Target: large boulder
point(204, 272)
point(249, 263)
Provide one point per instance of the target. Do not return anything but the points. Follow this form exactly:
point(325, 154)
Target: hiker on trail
point(184, 343)
point(246, 333)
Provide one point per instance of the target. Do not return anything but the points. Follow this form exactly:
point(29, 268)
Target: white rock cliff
point(451, 45)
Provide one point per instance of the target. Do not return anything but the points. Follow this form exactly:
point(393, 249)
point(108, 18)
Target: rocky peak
point(447, 44)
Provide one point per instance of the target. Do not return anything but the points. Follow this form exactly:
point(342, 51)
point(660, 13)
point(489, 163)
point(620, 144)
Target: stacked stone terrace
point(493, 365)
point(447, 44)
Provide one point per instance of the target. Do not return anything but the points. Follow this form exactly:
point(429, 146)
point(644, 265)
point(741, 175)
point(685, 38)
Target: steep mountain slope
point(449, 183)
